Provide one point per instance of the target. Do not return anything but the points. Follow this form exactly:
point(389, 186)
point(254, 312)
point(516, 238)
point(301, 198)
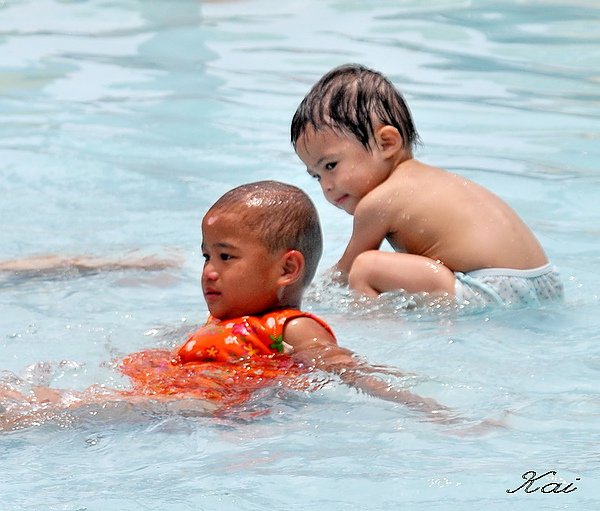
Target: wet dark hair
point(282, 217)
point(350, 98)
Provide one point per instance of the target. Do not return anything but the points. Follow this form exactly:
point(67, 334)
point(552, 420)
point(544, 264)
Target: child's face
point(345, 169)
point(240, 276)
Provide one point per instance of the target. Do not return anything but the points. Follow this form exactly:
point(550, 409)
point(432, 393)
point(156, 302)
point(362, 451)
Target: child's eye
point(225, 257)
point(330, 165)
point(316, 176)
point(206, 257)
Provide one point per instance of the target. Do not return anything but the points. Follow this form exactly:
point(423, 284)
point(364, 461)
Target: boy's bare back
point(428, 211)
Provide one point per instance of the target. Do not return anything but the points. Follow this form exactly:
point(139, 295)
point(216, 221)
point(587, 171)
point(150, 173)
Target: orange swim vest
point(232, 339)
point(223, 362)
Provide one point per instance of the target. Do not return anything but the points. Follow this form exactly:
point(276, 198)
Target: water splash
point(326, 294)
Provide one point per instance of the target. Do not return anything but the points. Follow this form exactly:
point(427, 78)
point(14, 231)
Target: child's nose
point(209, 273)
point(326, 184)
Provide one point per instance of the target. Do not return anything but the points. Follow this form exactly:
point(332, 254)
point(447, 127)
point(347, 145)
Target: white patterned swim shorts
point(508, 287)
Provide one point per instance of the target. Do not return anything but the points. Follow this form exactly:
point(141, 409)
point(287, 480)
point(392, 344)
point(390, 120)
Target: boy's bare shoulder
point(376, 203)
point(415, 170)
point(407, 182)
point(420, 184)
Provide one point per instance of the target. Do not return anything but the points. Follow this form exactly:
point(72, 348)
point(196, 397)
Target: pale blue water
point(123, 121)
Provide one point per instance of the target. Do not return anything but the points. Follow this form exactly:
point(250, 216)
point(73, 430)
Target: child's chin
point(347, 205)
point(222, 314)
point(216, 312)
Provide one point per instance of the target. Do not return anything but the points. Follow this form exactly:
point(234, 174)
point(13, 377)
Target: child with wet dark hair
point(355, 134)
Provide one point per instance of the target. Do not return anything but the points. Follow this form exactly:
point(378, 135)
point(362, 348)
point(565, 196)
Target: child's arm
point(370, 228)
point(314, 346)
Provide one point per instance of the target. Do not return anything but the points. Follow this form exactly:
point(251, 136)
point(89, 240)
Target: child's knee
point(361, 270)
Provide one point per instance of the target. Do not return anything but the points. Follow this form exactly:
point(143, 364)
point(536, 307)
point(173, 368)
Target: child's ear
point(388, 140)
point(292, 265)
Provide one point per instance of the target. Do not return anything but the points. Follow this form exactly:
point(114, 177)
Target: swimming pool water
point(123, 121)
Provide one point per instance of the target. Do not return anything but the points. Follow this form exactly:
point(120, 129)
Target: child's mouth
point(341, 200)
point(210, 294)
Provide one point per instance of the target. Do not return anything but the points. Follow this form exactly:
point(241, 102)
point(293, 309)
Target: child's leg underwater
point(51, 263)
point(375, 272)
point(41, 405)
